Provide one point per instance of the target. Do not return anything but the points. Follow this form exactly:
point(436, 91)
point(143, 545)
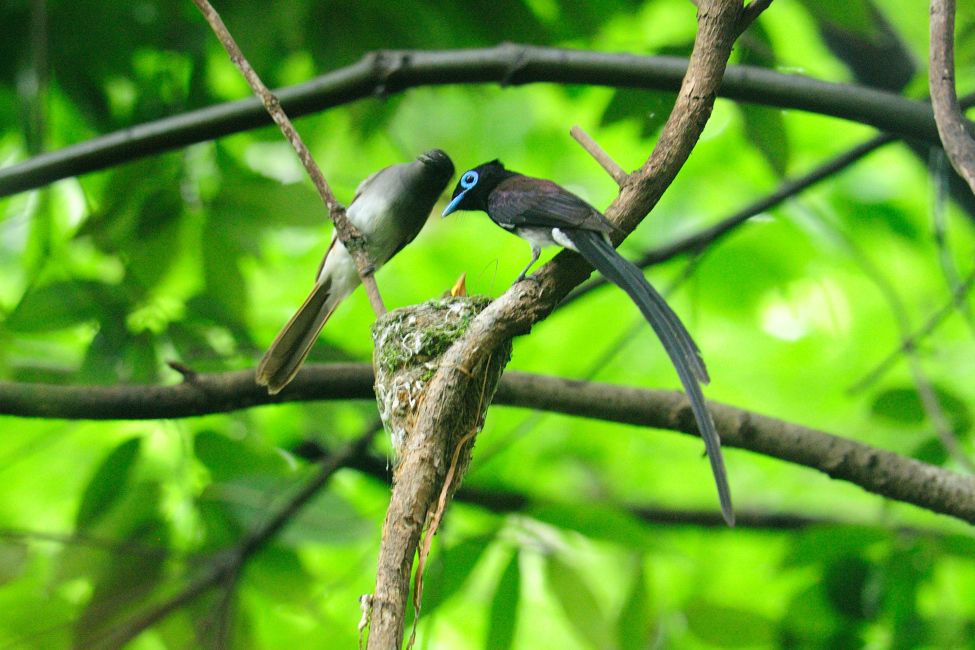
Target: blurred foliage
point(201, 255)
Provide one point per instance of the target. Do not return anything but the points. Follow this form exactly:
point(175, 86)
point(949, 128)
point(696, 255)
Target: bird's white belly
point(542, 237)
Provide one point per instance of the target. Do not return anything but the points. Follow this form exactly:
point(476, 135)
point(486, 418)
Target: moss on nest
point(408, 346)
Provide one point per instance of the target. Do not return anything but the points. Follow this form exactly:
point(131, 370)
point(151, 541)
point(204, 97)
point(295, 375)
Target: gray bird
point(389, 208)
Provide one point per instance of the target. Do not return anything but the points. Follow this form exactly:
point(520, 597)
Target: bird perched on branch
point(389, 209)
point(546, 214)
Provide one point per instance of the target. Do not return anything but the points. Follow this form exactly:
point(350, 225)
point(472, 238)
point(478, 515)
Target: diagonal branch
point(224, 569)
point(349, 234)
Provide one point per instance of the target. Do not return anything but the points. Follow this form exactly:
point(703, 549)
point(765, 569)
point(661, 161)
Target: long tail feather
point(292, 344)
point(683, 352)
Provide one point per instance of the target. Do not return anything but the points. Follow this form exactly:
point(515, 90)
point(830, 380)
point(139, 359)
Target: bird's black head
point(474, 186)
point(439, 164)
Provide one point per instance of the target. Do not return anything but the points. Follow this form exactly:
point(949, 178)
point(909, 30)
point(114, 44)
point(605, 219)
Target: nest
point(408, 345)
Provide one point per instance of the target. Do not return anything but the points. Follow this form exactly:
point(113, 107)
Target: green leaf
point(326, 519)
point(809, 620)
point(278, 574)
point(122, 588)
point(155, 244)
point(931, 451)
point(845, 583)
point(249, 202)
point(851, 15)
point(13, 559)
point(756, 47)
point(898, 405)
point(729, 627)
point(821, 545)
point(578, 602)
point(597, 522)
point(503, 620)
point(59, 305)
point(229, 459)
point(450, 569)
point(225, 284)
point(108, 483)
point(116, 355)
point(650, 108)
point(904, 406)
point(634, 627)
point(765, 129)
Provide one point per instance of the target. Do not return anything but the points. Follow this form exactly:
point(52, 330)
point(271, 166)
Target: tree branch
point(657, 409)
point(617, 173)
point(348, 234)
point(958, 144)
point(700, 240)
point(204, 394)
point(395, 71)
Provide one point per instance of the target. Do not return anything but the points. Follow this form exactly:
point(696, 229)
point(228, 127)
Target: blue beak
point(453, 204)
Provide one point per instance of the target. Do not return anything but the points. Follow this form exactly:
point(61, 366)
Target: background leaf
point(108, 483)
point(503, 619)
point(578, 602)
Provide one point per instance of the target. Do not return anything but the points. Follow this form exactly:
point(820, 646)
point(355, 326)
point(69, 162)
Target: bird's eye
point(469, 179)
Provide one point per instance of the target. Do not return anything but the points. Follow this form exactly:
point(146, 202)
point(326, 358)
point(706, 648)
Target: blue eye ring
point(469, 180)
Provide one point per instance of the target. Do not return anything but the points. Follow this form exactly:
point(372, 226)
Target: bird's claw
point(530, 278)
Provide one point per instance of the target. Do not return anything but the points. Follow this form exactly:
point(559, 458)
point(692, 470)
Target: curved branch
point(492, 331)
point(958, 144)
point(383, 73)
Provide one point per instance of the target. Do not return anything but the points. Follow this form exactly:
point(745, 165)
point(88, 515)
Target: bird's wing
point(531, 202)
point(366, 182)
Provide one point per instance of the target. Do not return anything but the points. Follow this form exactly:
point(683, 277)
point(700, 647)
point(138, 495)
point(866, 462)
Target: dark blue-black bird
point(546, 214)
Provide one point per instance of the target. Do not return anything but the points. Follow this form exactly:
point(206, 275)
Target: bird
point(546, 214)
point(389, 208)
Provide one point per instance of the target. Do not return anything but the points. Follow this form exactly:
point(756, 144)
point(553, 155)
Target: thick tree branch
point(349, 234)
point(201, 395)
point(220, 393)
point(383, 73)
point(958, 144)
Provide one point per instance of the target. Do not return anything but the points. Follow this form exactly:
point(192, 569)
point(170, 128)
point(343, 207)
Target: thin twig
point(910, 343)
point(599, 154)
point(224, 569)
point(349, 234)
point(702, 239)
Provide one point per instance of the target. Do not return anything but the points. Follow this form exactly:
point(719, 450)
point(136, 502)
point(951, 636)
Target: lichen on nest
point(408, 345)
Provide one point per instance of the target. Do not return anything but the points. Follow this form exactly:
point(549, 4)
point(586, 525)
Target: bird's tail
point(676, 340)
point(292, 344)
